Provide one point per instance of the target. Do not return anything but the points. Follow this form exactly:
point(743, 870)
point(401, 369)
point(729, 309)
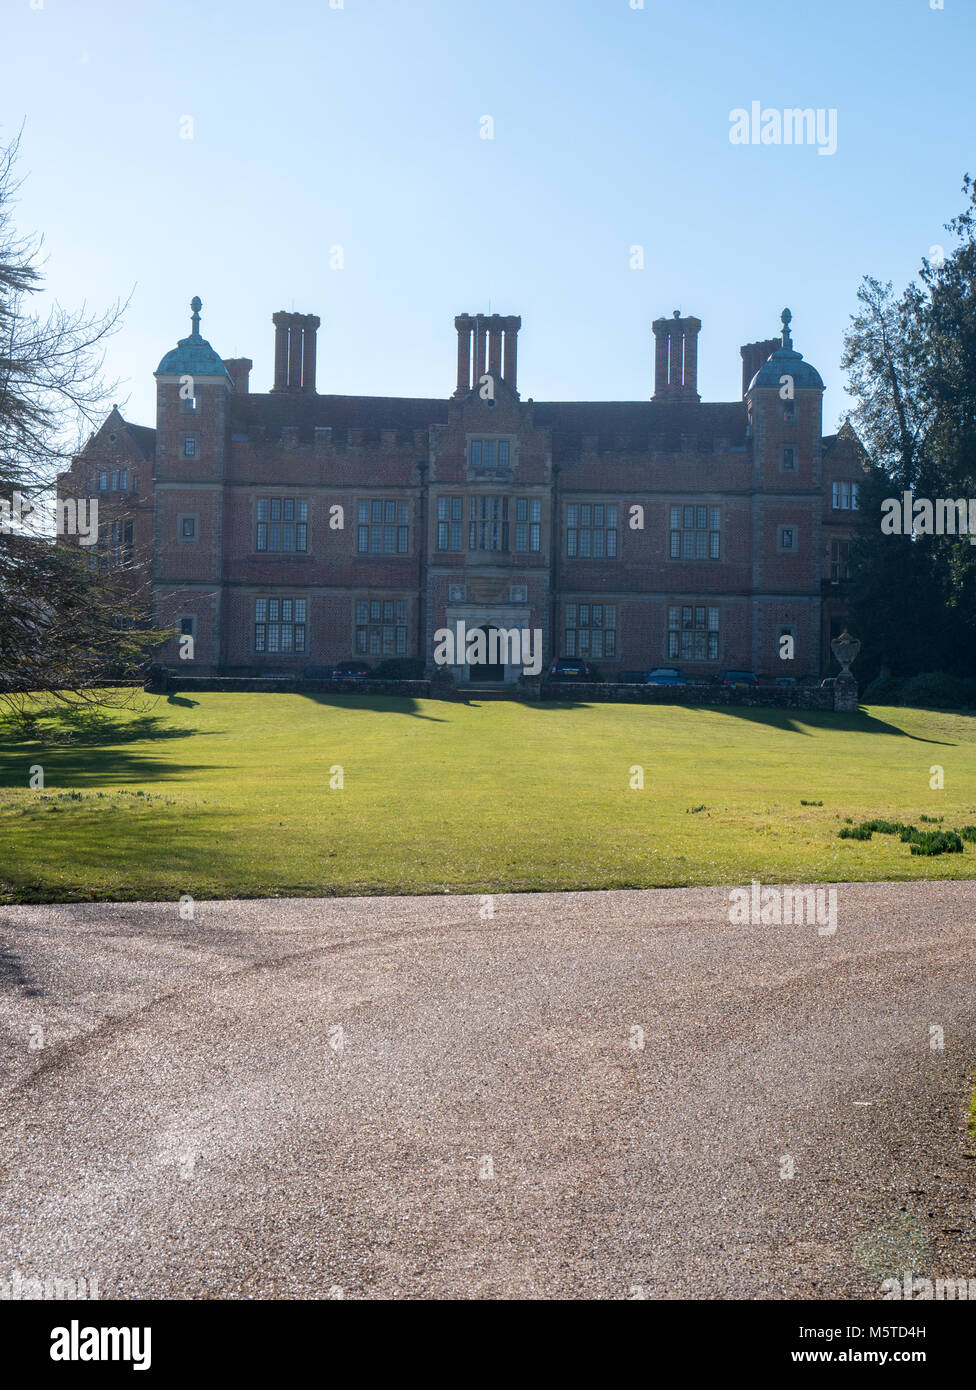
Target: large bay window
point(488, 525)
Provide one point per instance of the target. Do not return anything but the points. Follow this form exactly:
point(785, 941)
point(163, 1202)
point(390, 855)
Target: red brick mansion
point(290, 529)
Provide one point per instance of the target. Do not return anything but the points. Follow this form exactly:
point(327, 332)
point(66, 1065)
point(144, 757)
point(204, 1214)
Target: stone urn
point(845, 648)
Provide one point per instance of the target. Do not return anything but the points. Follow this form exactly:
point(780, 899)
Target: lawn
point(230, 795)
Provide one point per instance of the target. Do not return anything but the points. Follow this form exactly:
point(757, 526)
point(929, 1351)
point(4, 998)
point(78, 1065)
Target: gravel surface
point(592, 1095)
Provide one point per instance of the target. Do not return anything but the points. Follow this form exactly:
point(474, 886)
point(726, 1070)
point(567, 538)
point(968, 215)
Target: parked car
point(666, 675)
point(569, 668)
point(786, 680)
point(351, 671)
point(827, 684)
point(737, 679)
point(632, 678)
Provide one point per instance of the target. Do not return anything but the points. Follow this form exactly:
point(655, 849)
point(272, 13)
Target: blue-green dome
point(786, 361)
point(192, 356)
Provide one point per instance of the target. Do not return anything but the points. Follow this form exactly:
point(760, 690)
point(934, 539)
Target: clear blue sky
point(360, 127)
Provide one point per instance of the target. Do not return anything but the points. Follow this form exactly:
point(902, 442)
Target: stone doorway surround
point(479, 615)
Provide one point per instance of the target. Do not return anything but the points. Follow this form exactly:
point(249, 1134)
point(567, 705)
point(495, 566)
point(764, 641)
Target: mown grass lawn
point(484, 797)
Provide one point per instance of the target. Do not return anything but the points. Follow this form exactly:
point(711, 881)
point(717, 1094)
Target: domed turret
point(193, 356)
point(786, 361)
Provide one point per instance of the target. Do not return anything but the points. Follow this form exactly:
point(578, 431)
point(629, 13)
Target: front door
point(487, 670)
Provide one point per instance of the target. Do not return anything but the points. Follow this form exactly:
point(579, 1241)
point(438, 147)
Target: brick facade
point(636, 534)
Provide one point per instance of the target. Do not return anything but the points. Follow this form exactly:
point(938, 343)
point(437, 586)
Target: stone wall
point(763, 697)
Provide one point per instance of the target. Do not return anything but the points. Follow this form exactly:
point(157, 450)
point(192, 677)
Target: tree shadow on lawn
point(62, 729)
point(73, 767)
point(375, 704)
point(771, 717)
point(785, 719)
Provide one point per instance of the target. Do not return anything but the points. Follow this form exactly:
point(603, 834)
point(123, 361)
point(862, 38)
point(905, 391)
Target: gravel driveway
point(593, 1095)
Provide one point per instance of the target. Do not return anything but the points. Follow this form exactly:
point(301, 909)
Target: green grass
point(475, 798)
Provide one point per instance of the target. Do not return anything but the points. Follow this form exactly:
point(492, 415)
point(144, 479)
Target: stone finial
point(196, 304)
point(845, 648)
point(786, 318)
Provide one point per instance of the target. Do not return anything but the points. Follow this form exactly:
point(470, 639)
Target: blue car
point(666, 675)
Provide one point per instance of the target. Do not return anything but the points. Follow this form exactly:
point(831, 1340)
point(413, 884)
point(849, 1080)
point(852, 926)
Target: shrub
point(399, 668)
point(937, 842)
point(883, 690)
point(937, 690)
point(854, 832)
point(968, 832)
point(887, 827)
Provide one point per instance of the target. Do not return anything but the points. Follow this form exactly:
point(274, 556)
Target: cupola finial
point(196, 304)
point(786, 318)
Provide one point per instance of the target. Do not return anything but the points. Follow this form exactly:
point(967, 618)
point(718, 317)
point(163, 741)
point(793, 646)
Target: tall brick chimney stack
point(753, 356)
point(676, 358)
point(486, 343)
point(510, 328)
point(239, 371)
point(294, 368)
point(463, 325)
